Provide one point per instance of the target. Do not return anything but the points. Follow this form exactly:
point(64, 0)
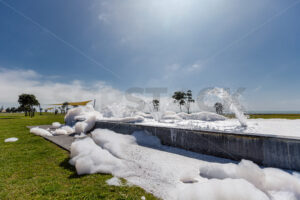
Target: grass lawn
point(33, 168)
point(275, 116)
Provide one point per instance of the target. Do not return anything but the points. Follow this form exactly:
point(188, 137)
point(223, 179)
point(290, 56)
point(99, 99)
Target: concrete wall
point(266, 150)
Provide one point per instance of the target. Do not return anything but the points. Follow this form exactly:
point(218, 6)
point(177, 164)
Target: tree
point(219, 108)
point(189, 100)
point(13, 109)
point(65, 107)
point(33, 110)
point(179, 97)
point(155, 103)
point(27, 103)
point(61, 109)
point(41, 109)
point(8, 110)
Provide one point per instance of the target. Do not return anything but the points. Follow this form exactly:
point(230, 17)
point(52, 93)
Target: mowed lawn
point(275, 116)
point(33, 168)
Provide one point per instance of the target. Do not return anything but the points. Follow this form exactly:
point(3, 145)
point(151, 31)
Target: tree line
point(185, 99)
point(28, 102)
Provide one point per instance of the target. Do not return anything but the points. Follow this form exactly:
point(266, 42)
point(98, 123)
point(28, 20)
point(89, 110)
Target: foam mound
point(40, 131)
point(89, 158)
point(267, 179)
point(60, 131)
point(171, 173)
point(80, 114)
point(56, 125)
point(83, 118)
point(134, 119)
point(68, 129)
point(227, 189)
point(203, 116)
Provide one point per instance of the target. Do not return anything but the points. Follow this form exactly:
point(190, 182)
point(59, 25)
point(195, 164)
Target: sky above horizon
point(113, 45)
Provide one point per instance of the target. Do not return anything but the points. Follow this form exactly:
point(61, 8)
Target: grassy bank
point(275, 116)
point(33, 168)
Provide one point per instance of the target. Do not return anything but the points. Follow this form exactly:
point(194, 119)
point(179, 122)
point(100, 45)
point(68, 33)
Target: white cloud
point(194, 67)
point(14, 82)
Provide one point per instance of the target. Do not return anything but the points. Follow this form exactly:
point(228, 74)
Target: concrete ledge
point(266, 150)
point(63, 141)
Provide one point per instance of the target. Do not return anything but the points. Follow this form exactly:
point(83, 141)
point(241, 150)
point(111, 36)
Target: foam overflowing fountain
point(230, 102)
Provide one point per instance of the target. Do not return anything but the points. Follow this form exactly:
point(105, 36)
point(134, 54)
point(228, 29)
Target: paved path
point(63, 141)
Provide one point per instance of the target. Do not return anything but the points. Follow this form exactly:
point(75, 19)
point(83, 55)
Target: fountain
point(230, 102)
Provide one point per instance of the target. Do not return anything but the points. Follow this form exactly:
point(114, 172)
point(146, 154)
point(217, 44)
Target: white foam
point(230, 102)
point(12, 139)
point(85, 126)
point(118, 110)
point(267, 179)
point(114, 181)
point(68, 129)
point(83, 118)
point(81, 113)
point(227, 189)
point(81, 135)
point(171, 173)
point(56, 125)
point(203, 116)
point(144, 115)
point(114, 143)
point(40, 131)
point(60, 131)
point(134, 119)
point(88, 158)
point(171, 117)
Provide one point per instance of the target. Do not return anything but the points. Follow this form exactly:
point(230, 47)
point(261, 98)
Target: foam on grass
point(12, 139)
point(115, 181)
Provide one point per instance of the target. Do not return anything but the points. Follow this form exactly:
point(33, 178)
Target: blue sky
point(159, 43)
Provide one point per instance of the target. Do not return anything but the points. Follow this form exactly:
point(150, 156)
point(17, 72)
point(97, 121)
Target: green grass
point(275, 116)
point(33, 168)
